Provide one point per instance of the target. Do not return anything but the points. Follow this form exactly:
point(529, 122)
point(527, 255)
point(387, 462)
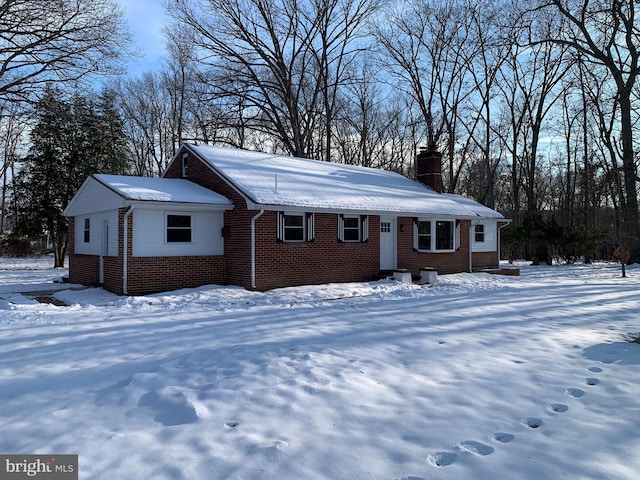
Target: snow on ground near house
point(480, 377)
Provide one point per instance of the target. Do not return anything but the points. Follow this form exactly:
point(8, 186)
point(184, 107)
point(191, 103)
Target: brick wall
point(485, 260)
point(324, 260)
point(281, 264)
point(157, 274)
point(84, 269)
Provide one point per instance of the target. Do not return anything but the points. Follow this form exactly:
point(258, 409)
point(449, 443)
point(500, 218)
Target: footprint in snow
point(532, 422)
point(476, 448)
point(558, 408)
point(502, 437)
point(231, 424)
point(574, 392)
point(173, 406)
point(442, 459)
point(591, 381)
point(594, 369)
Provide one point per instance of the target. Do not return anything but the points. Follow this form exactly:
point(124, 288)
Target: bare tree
point(146, 109)
point(606, 33)
point(13, 125)
point(61, 41)
point(285, 59)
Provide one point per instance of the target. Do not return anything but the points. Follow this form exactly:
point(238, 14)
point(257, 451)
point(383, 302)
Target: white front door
point(388, 243)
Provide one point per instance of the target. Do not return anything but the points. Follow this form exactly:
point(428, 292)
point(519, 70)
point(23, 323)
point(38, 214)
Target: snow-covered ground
point(480, 377)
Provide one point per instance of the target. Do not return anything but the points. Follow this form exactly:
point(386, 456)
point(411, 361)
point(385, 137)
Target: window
point(179, 228)
point(444, 235)
point(385, 227)
point(353, 228)
point(424, 235)
point(185, 165)
point(435, 235)
point(87, 230)
point(295, 227)
point(479, 233)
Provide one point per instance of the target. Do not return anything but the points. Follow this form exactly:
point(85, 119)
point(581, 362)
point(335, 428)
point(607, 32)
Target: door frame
point(389, 262)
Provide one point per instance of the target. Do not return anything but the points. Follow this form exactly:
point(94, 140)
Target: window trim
point(433, 222)
point(477, 234)
point(184, 165)
point(168, 228)
point(307, 226)
point(363, 228)
point(87, 230)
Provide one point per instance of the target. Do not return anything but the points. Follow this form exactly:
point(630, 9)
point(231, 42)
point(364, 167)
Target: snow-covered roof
point(281, 181)
point(160, 190)
point(103, 192)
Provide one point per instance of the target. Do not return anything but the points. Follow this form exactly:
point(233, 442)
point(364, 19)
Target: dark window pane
point(351, 222)
point(293, 220)
point(424, 228)
point(183, 236)
point(179, 221)
point(424, 243)
point(294, 234)
point(444, 235)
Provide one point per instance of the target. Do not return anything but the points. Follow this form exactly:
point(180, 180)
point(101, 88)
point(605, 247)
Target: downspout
point(471, 233)
point(253, 247)
point(125, 250)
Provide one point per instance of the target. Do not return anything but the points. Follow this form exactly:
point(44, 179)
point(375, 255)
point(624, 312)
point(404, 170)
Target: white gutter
point(253, 247)
point(125, 250)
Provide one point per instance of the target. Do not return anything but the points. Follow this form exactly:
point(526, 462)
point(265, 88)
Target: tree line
point(534, 105)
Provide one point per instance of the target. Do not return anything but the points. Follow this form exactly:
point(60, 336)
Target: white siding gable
point(490, 243)
point(103, 234)
point(150, 233)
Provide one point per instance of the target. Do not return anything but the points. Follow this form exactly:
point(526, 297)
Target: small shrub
point(16, 246)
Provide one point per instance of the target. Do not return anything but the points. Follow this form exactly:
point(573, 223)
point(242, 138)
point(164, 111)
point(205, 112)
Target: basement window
point(178, 228)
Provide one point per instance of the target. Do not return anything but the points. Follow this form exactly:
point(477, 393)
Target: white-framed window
point(295, 227)
point(353, 228)
point(479, 233)
point(184, 165)
point(385, 227)
point(179, 228)
point(435, 235)
point(87, 230)
point(424, 235)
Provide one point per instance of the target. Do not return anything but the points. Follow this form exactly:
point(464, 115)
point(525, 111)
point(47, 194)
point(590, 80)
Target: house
point(236, 217)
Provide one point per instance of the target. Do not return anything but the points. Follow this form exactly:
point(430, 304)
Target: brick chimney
point(429, 168)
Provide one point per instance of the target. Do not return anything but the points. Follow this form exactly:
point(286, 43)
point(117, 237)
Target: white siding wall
point(149, 234)
point(490, 243)
point(97, 233)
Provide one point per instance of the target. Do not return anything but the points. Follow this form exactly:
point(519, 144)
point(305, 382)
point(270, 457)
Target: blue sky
point(145, 18)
